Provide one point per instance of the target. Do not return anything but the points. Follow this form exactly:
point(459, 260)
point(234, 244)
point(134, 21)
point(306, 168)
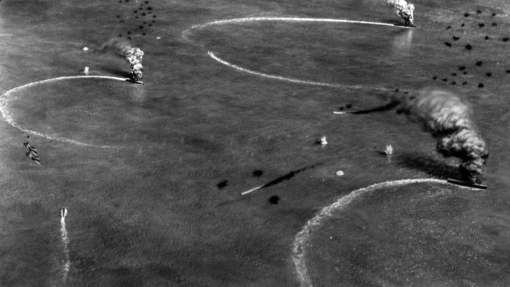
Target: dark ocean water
point(148, 210)
point(420, 234)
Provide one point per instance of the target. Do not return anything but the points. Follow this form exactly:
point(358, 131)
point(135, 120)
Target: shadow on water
point(275, 182)
point(289, 175)
point(222, 184)
point(384, 108)
point(258, 173)
point(424, 163)
point(274, 199)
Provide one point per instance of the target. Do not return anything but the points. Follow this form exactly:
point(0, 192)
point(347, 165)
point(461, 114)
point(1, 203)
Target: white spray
point(131, 54)
point(404, 10)
point(65, 241)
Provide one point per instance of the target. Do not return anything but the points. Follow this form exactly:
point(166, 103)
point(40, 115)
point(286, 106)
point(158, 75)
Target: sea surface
point(151, 174)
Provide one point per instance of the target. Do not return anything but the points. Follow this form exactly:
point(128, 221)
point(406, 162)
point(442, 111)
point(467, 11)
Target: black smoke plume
point(132, 55)
point(448, 119)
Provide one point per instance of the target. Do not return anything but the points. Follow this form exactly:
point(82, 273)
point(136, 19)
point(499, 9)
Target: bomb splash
point(448, 119)
point(404, 10)
point(132, 55)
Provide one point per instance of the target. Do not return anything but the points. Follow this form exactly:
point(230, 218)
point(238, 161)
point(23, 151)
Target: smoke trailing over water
point(132, 55)
point(403, 9)
point(448, 119)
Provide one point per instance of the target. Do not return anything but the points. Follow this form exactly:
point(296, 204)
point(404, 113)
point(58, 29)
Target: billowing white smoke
point(404, 10)
point(131, 54)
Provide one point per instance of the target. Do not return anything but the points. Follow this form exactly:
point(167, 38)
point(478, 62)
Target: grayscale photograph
point(236, 143)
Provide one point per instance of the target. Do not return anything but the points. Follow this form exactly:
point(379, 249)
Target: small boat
point(63, 212)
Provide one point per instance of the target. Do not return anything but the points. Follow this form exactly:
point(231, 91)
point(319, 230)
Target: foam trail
point(288, 19)
point(267, 75)
point(298, 247)
point(251, 190)
point(187, 32)
point(65, 242)
point(5, 96)
point(216, 58)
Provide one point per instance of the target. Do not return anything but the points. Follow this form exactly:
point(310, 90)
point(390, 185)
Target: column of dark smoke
point(131, 54)
point(448, 119)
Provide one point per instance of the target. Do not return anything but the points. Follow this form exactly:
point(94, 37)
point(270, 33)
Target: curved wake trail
point(7, 116)
point(187, 32)
point(292, 80)
point(299, 248)
point(285, 19)
point(65, 242)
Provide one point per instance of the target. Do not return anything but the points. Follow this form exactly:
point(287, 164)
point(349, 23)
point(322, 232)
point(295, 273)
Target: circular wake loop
point(4, 98)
